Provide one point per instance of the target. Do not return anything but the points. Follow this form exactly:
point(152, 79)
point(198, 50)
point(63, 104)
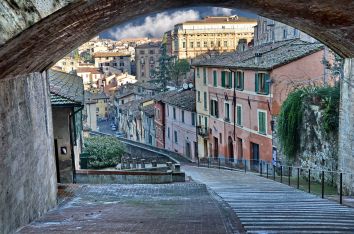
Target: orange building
point(245, 93)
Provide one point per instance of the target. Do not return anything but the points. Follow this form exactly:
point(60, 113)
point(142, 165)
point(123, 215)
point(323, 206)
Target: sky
point(156, 24)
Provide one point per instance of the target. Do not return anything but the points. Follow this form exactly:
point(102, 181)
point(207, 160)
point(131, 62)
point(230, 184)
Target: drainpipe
point(72, 120)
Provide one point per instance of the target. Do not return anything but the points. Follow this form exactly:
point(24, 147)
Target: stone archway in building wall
point(36, 34)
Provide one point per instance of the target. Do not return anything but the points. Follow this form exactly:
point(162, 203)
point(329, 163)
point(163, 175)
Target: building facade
point(180, 123)
point(210, 35)
point(147, 59)
point(115, 60)
point(246, 90)
point(270, 31)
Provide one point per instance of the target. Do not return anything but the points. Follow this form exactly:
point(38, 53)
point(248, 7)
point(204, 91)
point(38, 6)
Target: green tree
point(178, 69)
point(103, 151)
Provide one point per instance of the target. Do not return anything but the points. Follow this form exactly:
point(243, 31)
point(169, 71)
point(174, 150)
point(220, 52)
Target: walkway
point(265, 206)
point(166, 208)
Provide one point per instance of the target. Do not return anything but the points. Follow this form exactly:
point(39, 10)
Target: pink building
point(246, 90)
point(180, 123)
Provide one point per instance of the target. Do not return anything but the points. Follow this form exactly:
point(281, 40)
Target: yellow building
point(102, 104)
point(202, 107)
point(209, 35)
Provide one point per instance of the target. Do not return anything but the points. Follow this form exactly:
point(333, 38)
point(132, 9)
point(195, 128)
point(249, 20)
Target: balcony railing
point(202, 131)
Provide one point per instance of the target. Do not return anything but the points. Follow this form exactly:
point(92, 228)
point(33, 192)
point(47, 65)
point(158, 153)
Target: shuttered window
point(215, 78)
point(262, 121)
point(262, 83)
point(239, 115)
point(239, 80)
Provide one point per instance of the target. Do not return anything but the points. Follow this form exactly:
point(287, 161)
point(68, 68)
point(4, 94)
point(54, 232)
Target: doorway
point(255, 155)
point(239, 149)
point(230, 146)
point(57, 159)
point(188, 149)
point(216, 147)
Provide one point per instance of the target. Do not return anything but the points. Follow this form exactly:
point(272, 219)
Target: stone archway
point(47, 32)
point(36, 34)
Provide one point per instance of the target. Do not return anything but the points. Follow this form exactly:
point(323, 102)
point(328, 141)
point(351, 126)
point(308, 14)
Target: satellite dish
point(190, 85)
point(185, 86)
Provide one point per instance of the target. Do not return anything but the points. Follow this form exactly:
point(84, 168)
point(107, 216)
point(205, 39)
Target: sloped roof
point(272, 55)
point(183, 99)
point(65, 88)
point(148, 110)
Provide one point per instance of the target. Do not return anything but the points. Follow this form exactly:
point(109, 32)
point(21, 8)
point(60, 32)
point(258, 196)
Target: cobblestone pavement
point(168, 208)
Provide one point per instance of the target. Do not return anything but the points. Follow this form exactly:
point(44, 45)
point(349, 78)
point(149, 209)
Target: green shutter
point(235, 79)
point(230, 80)
point(238, 115)
point(204, 76)
point(261, 122)
point(256, 81)
point(215, 79)
point(223, 79)
point(242, 80)
point(267, 84)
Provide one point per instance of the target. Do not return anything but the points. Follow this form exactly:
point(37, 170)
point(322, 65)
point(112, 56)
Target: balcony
point(202, 131)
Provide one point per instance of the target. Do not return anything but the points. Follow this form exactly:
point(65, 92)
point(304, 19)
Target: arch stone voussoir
point(40, 36)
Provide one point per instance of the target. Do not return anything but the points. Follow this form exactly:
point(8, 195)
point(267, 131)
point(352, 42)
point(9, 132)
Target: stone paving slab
point(168, 208)
point(266, 206)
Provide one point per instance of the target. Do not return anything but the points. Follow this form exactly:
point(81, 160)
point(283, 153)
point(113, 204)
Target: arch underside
point(39, 46)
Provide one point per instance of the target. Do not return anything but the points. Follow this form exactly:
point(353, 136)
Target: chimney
point(257, 58)
point(241, 45)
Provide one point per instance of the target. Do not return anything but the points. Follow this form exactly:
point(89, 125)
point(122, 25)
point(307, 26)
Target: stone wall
point(346, 127)
point(27, 163)
point(318, 149)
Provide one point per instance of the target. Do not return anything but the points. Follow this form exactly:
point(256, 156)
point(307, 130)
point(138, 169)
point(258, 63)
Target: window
point(121, 57)
point(174, 113)
point(204, 76)
point(176, 137)
point(262, 122)
point(142, 52)
point(64, 63)
point(227, 112)
point(205, 122)
point(182, 116)
point(200, 120)
point(205, 44)
point(191, 44)
point(168, 111)
point(121, 64)
point(226, 79)
point(219, 43)
point(151, 52)
point(198, 96)
point(205, 101)
point(198, 72)
point(225, 43)
point(214, 110)
point(193, 119)
point(97, 109)
point(212, 43)
point(198, 44)
point(215, 78)
point(239, 80)
point(262, 83)
point(239, 115)
point(168, 132)
point(184, 44)
point(285, 34)
point(106, 64)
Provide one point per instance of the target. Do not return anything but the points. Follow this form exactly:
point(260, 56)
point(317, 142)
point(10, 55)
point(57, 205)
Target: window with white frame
point(176, 137)
point(214, 108)
point(227, 112)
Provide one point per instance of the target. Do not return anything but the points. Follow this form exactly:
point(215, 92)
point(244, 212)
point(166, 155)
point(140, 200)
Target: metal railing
point(325, 183)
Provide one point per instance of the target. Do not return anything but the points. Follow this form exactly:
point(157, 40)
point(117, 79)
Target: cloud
point(154, 26)
point(221, 11)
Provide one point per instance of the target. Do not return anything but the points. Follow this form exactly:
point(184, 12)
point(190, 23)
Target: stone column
point(28, 185)
point(346, 127)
